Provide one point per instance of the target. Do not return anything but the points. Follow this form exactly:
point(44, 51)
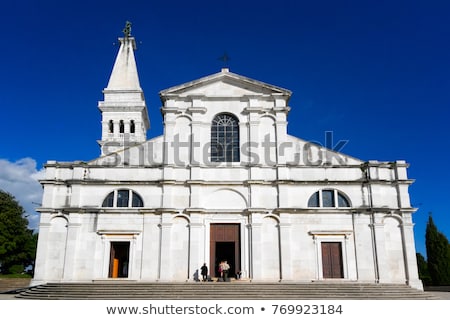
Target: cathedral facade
point(223, 182)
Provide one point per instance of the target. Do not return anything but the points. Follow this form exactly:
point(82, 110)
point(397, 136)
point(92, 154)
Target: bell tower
point(124, 112)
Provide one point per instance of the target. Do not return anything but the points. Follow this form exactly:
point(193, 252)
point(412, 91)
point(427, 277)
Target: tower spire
point(124, 112)
point(124, 75)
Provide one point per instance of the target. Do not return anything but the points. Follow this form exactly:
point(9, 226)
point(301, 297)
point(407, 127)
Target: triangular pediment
point(224, 84)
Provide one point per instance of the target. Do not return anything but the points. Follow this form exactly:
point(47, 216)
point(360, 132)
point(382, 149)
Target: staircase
point(222, 291)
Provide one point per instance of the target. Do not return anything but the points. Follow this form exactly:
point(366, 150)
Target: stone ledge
point(8, 284)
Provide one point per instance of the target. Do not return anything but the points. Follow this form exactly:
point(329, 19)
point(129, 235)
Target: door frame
point(107, 238)
point(115, 263)
point(224, 232)
point(331, 236)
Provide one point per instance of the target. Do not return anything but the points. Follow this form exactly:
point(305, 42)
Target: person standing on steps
point(225, 269)
point(204, 272)
point(220, 270)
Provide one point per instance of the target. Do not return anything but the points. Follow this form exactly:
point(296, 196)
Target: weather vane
point(127, 30)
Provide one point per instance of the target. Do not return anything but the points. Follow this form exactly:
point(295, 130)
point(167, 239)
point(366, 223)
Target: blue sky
point(376, 73)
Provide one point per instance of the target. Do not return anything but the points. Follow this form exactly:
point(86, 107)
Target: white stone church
point(223, 182)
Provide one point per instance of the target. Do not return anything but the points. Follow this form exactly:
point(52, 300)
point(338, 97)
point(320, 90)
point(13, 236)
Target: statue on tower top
point(127, 30)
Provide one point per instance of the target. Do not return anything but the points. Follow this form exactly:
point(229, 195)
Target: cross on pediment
point(224, 58)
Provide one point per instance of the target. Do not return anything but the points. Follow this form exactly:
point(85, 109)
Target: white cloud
point(20, 179)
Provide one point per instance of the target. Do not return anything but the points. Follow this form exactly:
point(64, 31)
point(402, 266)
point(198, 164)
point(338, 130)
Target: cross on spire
point(127, 30)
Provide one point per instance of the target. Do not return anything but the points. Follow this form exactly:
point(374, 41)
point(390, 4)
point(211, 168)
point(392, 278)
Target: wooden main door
point(225, 245)
point(332, 260)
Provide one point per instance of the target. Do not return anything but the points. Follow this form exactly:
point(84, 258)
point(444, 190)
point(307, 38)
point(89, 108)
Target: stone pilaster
point(380, 252)
point(150, 246)
point(41, 253)
point(256, 246)
point(285, 247)
point(71, 256)
point(410, 256)
point(196, 244)
point(165, 270)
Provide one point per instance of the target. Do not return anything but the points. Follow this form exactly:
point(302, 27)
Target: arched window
point(328, 199)
point(225, 138)
point(132, 126)
point(123, 198)
point(109, 200)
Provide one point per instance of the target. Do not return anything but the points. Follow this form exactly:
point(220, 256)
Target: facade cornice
point(119, 232)
point(85, 164)
point(47, 210)
point(384, 210)
point(162, 182)
point(123, 107)
point(259, 110)
point(188, 211)
point(192, 110)
point(213, 183)
point(323, 233)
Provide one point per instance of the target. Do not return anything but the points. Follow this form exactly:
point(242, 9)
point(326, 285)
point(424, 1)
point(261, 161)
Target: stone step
point(221, 291)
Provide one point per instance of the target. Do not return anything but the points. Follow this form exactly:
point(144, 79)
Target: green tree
point(438, 254)
point(422, 265)
point(17, 242)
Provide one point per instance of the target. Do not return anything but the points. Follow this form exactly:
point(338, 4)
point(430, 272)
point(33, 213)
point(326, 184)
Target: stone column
point(245, 249)
point(198, 127)
point(151, 245)
point(165, 270)
point(254, 140)
point(196, 147)
point(169, 129)
point(71, 257)
point(41, 252)
point(168, 189)
point(281, 131)
point(380, 252)
point(285, 247)
point(168, 147)
point(256, 247)
point(363, 244)
point(412, 273)
point(116, 128)
point(105, 130)
point(283, 194)
point(196, 244)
